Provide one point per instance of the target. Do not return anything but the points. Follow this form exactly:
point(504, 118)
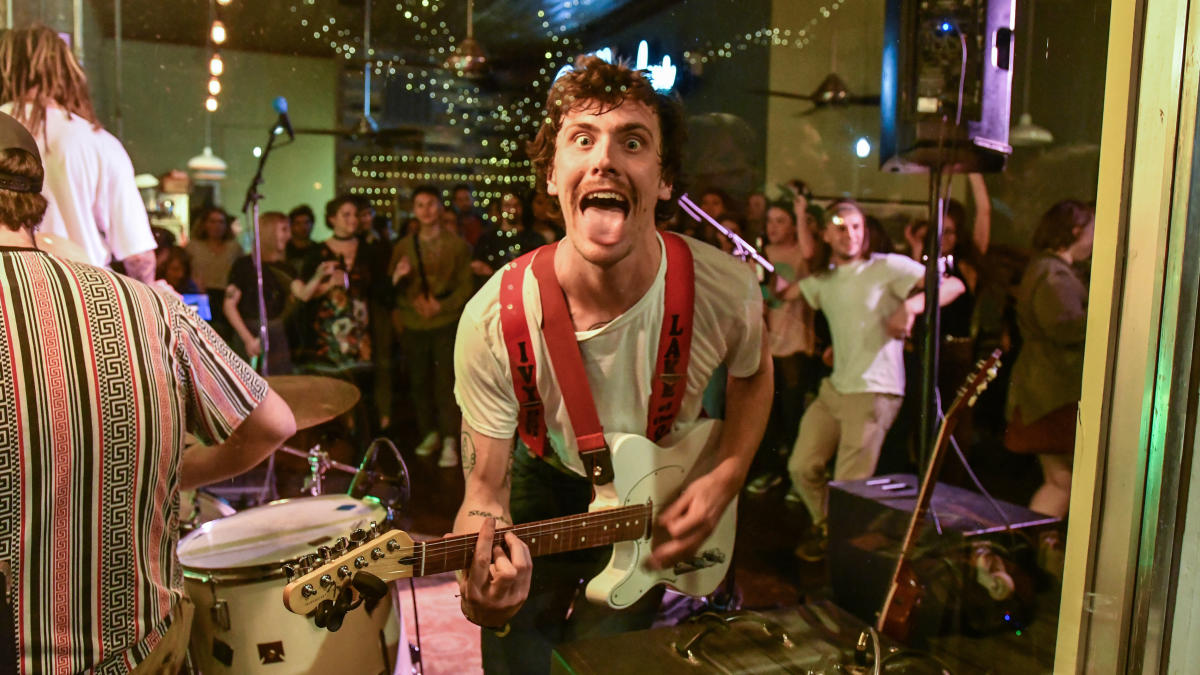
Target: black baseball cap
point(14, 136)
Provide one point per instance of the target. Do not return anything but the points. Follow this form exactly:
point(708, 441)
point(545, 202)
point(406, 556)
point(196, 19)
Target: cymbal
point(314, 399)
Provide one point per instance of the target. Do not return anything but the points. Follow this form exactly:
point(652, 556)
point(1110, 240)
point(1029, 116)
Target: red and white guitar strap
point(670, 373)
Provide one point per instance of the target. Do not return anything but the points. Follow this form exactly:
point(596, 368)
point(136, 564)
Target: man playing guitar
point(610, 152)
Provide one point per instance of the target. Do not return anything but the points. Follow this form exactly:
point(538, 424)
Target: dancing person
point(870, 301)
point(610, 151)
point(103, 375)
point(1043, 395)
point(89, 187)
point(431, 271)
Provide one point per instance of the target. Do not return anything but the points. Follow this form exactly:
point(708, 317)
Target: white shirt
point(857, 299)
point(93, 200)
point(619, 357)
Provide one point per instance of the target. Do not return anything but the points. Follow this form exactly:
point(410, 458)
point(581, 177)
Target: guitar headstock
point(984, 372)
point(362, 562)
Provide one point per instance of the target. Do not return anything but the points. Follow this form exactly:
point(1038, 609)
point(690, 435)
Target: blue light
point(945, 27)
point(1007, 617)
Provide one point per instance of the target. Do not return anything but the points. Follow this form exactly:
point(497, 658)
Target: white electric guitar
point(647, 477)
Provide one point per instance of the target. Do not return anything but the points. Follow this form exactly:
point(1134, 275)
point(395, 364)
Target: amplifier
point(867, 522)
point(815, 637)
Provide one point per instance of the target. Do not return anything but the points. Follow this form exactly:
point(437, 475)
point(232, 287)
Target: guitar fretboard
point(557, 535)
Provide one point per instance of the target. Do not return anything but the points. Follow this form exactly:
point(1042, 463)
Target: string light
point(216, 66)
point(224, 3)
point(218, 32)
point(214, 86)
point(210, 104)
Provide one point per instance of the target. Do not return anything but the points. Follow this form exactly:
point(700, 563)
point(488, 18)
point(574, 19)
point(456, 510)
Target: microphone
point(281, 107)
point(358, 487)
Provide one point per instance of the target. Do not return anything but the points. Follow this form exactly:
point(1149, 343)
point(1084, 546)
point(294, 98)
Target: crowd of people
point(808, 365)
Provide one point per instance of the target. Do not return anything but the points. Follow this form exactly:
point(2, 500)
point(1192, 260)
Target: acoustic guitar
point(905, 591)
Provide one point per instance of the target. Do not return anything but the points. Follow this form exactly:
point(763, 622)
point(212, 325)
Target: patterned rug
point(449, 643)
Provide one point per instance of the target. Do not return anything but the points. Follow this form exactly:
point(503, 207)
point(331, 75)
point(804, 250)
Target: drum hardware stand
point(318, 463)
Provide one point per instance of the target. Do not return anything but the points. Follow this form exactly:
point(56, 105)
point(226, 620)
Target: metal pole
point(77, 29)
point(262, 301)
point(117, 62)
point(929, 352)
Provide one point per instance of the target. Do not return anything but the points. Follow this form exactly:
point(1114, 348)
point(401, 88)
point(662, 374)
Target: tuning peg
point(341, 545)
point(321, 615)
point(323, 553)
point(369, 585)
point(334, 621)
point(289, 569)
point(374, 529)
point(358, 536)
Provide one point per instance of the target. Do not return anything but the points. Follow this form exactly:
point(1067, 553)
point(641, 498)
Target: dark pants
point(795, 376)
point(430, 357)
point(540, 491)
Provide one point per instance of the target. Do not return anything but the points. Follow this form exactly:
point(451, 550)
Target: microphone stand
point(250, 207)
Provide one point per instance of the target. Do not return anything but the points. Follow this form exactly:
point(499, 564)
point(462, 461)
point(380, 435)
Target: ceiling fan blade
point(782, 94)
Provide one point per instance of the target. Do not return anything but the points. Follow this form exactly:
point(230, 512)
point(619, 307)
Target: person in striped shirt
point(102, 376)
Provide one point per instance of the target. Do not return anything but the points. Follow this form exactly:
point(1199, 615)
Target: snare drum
point(231, 570)
point(197, 507)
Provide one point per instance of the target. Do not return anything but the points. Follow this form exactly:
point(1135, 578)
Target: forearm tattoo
point(468, 454)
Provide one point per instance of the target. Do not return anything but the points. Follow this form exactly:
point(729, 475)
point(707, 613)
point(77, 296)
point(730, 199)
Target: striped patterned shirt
point(100, 377)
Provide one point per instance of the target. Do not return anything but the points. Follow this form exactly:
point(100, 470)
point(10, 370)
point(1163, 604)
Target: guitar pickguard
point(646, 472)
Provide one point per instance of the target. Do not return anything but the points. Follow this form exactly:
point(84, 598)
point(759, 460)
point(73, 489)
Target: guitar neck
point(557, 535)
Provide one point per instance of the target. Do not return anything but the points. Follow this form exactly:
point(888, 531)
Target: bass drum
point(231, 571)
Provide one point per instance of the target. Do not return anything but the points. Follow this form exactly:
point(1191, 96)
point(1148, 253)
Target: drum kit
point(232, 560)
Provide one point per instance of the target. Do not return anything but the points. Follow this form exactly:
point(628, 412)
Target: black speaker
point(867, 523)
point(947, 85)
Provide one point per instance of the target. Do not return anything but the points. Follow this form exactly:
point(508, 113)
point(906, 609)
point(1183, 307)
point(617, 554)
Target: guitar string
point(466, 542)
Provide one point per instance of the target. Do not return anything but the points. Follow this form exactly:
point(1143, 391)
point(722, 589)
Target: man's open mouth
point(605, 199)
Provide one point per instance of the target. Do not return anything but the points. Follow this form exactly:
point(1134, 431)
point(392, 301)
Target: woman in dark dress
point(241, 297)
point(335, 284)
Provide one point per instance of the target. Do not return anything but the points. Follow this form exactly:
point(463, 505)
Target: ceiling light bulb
point(214, 86)
point(224, 2)
point(211, 104)
point(216, 66)
point(218, 32)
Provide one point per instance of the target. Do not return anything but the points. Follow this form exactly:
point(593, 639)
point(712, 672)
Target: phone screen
point(199, 302)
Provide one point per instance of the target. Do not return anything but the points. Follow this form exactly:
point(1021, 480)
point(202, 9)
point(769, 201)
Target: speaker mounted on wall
point(947, 85)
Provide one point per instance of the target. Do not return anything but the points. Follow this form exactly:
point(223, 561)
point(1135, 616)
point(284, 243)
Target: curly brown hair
point(1060, 225)
point(605, 86)
point(21, 209)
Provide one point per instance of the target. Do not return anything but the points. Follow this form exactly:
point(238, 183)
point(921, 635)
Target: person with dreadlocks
point(89, 186)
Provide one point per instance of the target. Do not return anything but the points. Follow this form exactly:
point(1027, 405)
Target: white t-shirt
point(93, 200)
point(857, 299)
point(619, 357)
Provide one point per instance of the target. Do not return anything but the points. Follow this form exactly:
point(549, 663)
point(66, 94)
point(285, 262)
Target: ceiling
point(509, 29)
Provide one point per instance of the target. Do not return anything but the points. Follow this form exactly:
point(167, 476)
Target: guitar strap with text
point(670, 373)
